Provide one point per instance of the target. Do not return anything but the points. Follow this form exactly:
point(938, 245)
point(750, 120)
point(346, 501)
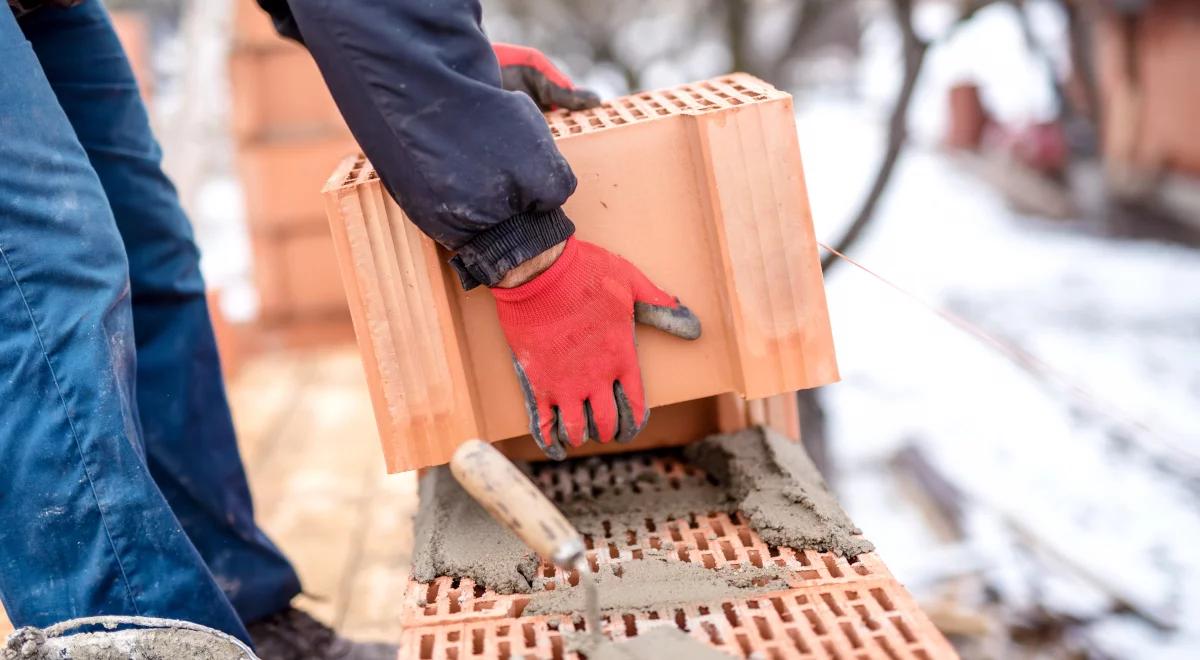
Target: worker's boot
point(294, 635)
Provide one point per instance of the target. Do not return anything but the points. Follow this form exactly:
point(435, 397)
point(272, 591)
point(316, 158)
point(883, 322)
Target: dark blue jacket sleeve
point(473, 165)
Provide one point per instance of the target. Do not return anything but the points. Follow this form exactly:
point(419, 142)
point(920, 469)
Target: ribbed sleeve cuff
point(500, 248)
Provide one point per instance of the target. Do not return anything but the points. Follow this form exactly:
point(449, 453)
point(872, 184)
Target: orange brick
point(130, 26)
point(281, 179)
point(252, 26)
point(683, 423)
point(1149, 120)
point(967, 117)
point(700, 185)
point(297, 275)
point(228, 337)
point(269, 271)
point(832, 607)
point(312, 275)
point(279, 93)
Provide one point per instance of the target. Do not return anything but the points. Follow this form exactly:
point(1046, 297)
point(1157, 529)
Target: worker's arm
point(473, 165)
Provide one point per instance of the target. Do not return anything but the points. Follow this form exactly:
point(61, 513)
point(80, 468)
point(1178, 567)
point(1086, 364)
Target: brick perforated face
point(690, 99)
point(832, 622)
point(831, 607)
point(360, 172)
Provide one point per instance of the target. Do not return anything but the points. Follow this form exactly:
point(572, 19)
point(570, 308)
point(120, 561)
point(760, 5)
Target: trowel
point(514, 500)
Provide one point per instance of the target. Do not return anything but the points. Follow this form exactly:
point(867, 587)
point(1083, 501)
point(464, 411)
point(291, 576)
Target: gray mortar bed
point(766, 477)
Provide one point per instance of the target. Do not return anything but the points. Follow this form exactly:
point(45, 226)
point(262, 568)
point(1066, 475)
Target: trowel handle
point(516, 502)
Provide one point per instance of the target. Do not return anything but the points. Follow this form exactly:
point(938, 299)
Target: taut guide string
point(1028, 361)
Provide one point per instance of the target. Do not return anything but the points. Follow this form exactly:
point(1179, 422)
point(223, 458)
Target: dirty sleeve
point(473, 165)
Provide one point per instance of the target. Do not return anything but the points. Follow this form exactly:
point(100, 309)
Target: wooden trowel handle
point(516, 502)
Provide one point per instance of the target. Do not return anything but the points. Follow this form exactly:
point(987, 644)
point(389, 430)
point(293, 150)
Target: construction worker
point(121, 487)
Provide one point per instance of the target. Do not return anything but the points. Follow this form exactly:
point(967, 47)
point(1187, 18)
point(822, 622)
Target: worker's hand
point(570, 329)
point(524, 69)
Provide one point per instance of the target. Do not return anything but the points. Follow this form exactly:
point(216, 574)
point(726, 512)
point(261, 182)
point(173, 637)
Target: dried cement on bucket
point(148, 639)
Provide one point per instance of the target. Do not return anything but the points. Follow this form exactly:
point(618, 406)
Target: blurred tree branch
point(746, 53)
point(600, 32)
point(808, 17)
point(914, 49)
point(1039, 51)
point(1079, 33)
point(812, 413)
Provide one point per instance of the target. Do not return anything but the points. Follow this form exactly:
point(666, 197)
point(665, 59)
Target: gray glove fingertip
point(554, 450)
point(565, 97)
point(677, 320)
point(551, 447)
point(590, 432)
point(627, 426)
point(577, 99)
point(560, 431)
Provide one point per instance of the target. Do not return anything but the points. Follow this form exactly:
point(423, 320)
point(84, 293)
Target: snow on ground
point(1100, 477)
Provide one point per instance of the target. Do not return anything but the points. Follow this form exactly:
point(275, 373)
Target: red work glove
point(524, 69)
point(571, 333)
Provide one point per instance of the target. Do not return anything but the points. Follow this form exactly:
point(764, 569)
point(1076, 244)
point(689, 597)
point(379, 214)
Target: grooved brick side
point(700, 185)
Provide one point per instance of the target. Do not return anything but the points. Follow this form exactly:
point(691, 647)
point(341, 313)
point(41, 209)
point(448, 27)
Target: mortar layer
point(651, 584)
point(661, 642)
point(778, 488)
point(453, 535)
point(632, 498)
point(764, 475)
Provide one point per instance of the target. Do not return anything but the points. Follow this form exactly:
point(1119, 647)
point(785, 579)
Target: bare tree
point(914, 49)
point(600, 33)
point(741, 18)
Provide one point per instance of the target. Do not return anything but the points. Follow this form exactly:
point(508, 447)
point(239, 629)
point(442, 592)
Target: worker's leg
point(189, 436)
point(84, 530)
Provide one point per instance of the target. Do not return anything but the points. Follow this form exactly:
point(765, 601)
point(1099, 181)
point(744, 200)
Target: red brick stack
point(288, 134)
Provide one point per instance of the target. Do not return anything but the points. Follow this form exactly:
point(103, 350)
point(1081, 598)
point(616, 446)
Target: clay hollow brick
point(296, 275)
point(832, 607)
point(252, 28)
point(876, 621)
point(279, 94)
point(280, 179)
point(700, 185)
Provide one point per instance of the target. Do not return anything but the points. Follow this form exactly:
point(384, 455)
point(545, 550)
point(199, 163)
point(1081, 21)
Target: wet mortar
point(652, 584)
point(453, 535)
point(773, 482)
point(758, 472)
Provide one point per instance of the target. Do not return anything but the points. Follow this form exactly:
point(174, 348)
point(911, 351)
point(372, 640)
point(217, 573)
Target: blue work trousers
point(121, 487)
